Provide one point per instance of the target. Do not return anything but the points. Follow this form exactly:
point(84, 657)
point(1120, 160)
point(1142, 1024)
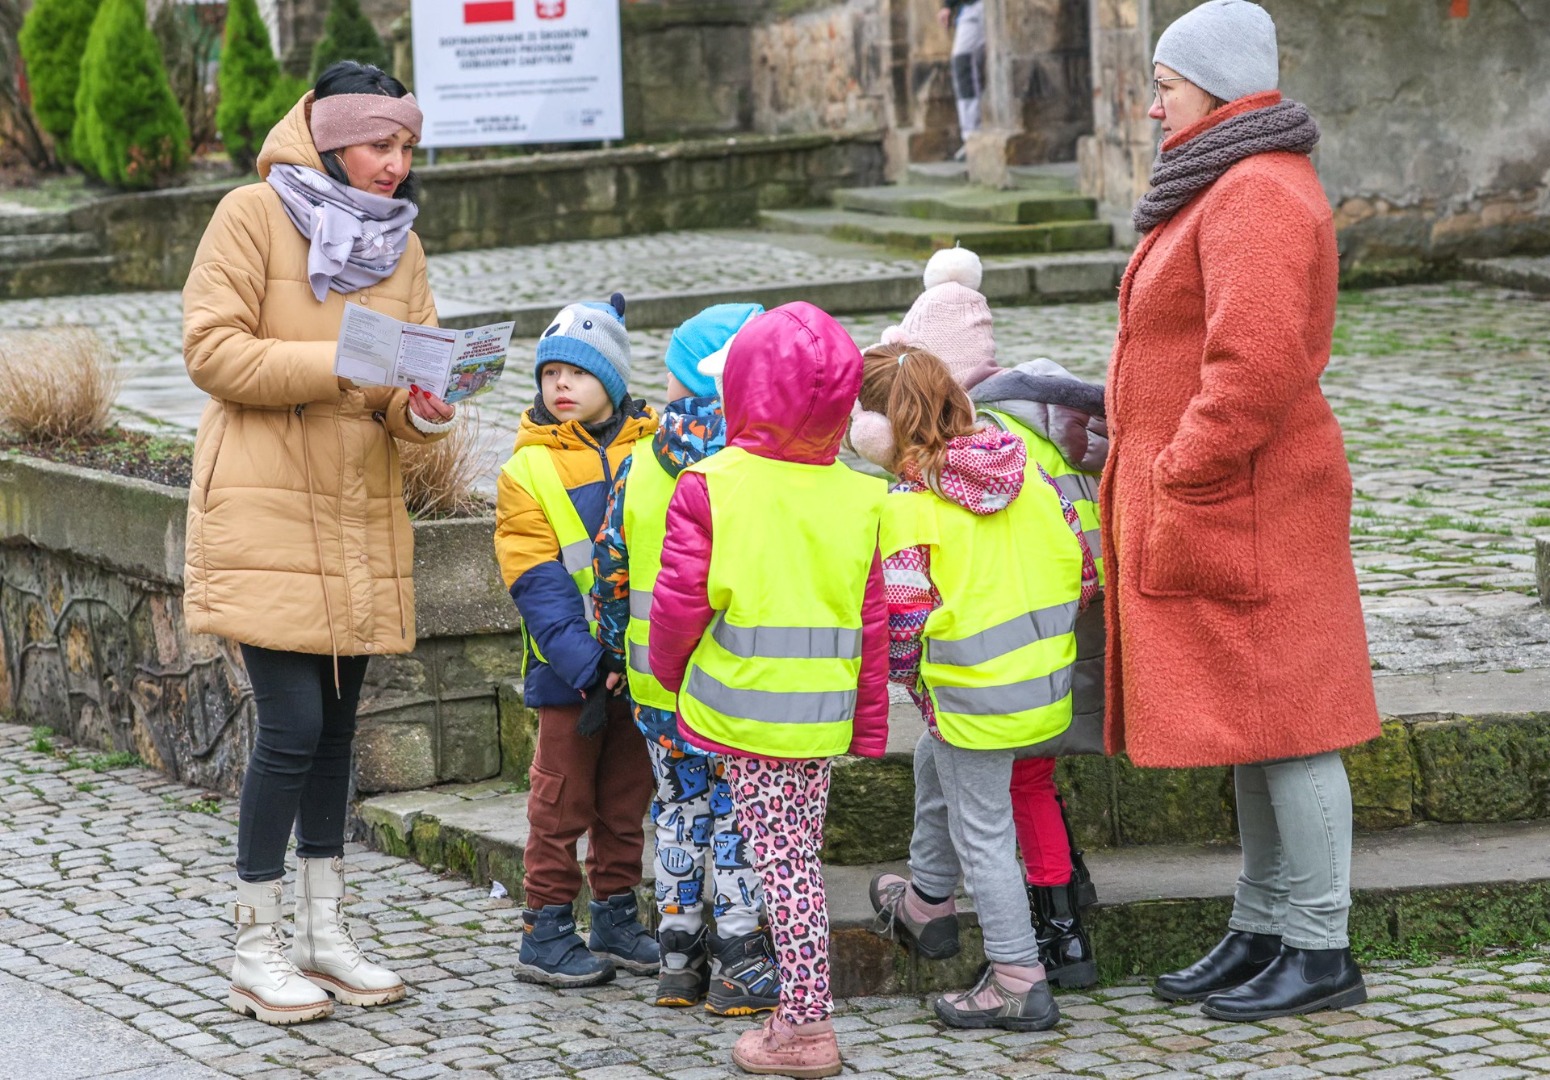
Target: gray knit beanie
point(590, 336)
point(1225, 47)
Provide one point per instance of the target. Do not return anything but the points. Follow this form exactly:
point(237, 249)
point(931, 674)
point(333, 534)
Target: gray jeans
point(963, 829)
point(1294, 819)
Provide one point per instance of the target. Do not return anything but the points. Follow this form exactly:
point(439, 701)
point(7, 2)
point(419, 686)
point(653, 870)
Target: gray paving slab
point(48, 1035)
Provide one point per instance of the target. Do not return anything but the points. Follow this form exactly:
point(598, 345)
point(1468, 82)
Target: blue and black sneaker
point(553, 953)
point(618, 936)
point(746, 980)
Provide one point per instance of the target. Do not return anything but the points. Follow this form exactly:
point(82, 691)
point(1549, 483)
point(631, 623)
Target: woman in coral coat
point(1235, 627)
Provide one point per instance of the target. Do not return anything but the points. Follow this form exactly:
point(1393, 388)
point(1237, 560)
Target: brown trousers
point(599, 788)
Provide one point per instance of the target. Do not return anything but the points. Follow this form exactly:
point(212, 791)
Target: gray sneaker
point(989, 1004)
point(934, 939)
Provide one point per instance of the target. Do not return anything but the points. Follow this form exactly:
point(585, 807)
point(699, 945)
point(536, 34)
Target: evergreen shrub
point(129, 130)
point(348, 35)
point(52, 39)
point(249, 72)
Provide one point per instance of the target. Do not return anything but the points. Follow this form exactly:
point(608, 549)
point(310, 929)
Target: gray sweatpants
point(963, 829)
point(1294, 819)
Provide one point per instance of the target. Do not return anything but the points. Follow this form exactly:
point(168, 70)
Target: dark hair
point(354, 77)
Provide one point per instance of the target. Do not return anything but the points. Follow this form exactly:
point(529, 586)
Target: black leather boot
point(1064, 948)
point(1233, 961)
point(1297, 981)
point(1081, 881)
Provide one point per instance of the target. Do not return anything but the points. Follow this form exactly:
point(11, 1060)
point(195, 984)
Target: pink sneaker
point(782, 1049)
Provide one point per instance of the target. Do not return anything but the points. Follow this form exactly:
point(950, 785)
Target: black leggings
point(299, 771)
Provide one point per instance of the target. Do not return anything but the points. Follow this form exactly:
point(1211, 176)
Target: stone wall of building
point(1435, 143)
point(94, 645)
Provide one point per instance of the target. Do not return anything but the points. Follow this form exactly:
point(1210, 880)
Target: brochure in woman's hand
point(378, 350)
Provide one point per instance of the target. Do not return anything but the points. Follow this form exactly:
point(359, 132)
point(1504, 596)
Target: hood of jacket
point(290, 141)
point(572, 435)
point(1055, 404)
point(692, 429)
point(791, 378)
point(982, 472)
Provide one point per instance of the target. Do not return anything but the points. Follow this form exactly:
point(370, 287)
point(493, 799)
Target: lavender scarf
point(357, 238)
point(1178, 175)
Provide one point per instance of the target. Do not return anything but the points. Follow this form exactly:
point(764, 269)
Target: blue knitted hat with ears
point(590, 336)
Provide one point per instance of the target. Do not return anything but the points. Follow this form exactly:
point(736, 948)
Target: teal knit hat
point(699, 337)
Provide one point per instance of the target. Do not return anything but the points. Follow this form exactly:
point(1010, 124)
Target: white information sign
point(494, 72)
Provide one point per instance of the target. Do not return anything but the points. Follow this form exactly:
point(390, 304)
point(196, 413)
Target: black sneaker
point(989, 1004)
point(685, 974)
point(746, 980)
point(934, 939)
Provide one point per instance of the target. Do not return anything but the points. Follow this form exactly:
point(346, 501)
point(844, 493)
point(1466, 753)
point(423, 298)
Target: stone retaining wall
point(534, 199)
point(94, 644)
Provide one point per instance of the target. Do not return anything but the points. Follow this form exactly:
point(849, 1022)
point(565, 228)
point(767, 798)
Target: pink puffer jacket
point(791, 379)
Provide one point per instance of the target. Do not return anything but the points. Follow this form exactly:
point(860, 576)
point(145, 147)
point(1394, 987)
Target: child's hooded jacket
point(791, 379)
point(553, 611)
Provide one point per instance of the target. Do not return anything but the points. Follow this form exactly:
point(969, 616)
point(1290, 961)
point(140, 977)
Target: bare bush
point(56, 385)
point(439, 477)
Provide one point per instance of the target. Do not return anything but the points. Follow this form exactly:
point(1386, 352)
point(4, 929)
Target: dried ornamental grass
point(56, 385)
point(439, 477)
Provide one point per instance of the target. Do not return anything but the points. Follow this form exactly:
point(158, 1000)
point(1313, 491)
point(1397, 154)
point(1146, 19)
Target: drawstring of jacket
point(317, 539)
point(398, 581)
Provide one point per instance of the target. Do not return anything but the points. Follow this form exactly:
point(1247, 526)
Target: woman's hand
point(427, 406)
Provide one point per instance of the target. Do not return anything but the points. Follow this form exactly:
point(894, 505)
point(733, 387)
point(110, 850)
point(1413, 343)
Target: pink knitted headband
point(347, 119)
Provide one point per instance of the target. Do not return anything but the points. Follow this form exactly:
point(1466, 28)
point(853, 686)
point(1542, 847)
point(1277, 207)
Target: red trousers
point(597, 787)
point(1041, 832)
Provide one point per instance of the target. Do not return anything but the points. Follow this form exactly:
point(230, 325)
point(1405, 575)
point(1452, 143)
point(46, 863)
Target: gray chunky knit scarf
point(1178, 175)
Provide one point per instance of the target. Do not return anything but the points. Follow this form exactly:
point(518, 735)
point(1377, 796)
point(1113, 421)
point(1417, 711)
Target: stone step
point(967, 204)
point(1062, 177)
point(1460, 748)
point(927, 235)
point(22, 222)
point(33, 247)
point(1426, 886)
point(1024, 280)
point(71, 276)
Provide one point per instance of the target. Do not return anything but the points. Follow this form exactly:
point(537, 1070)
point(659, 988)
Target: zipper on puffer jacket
point(317, 538)
point(398, 582)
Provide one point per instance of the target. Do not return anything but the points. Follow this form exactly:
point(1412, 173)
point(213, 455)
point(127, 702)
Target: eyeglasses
point(1157, 83)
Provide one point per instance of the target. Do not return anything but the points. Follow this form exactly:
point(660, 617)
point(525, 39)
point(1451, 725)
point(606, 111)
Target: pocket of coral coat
point(1203, 543)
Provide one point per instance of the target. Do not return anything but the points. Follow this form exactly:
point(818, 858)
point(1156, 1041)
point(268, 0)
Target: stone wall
point(1435, 144)
point(578, 195)
point(93, 643)
point(823, 69)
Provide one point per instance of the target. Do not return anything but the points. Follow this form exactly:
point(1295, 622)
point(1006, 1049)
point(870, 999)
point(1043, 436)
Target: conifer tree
point(52, 39)
point(129, 130)
point(348, 35)
point(249, 72)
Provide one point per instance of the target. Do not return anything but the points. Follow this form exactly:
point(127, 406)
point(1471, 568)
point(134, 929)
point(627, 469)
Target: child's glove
point(594, 706)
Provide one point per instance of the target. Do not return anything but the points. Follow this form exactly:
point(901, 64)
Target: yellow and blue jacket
point(553, 611)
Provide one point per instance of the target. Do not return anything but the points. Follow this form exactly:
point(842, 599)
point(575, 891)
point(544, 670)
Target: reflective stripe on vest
point(776, 673)
point(532, 469)
point(647, 491)
point(1079, 487)
point(999, 651)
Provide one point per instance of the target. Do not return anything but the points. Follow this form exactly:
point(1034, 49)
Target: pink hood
point(791, 378)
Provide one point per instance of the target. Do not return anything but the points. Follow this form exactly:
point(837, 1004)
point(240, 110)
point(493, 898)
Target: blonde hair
point(925, 407)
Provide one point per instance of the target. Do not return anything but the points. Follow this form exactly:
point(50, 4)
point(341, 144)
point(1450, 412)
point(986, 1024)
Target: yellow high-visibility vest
point(532, 469)
point(1079, 487)
point(776, 674)
point(997, 655)
point(647, 491)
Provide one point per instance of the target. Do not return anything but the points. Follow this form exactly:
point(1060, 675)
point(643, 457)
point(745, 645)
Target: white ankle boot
point(324, 951)
point(264, 982)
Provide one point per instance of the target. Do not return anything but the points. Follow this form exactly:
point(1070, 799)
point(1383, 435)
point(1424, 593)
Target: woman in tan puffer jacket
point(299, 546)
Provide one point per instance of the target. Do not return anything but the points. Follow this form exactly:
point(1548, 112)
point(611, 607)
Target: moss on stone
point(1382, 779)
point(1493, 769)
point(871, 810)
point(1087, 785)
point(518, 734)
point(1173, 806)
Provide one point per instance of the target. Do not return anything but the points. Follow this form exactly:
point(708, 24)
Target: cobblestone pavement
point(112, 881)
point(1441, 389)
